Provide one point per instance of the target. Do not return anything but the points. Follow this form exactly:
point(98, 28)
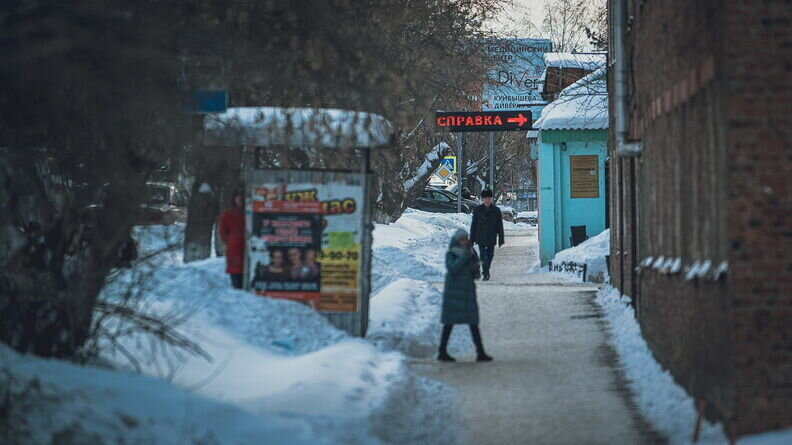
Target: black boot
point(481, 356)
point(443, 353)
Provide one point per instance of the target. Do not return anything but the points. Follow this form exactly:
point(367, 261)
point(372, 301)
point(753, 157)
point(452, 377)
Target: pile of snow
point(528, 214)
point(591, 252)
point(665, 404)
point(580, 106)
point(414, 246)
point(59, 402)
point(506, 209)
point(269, 371)
point(405, 316)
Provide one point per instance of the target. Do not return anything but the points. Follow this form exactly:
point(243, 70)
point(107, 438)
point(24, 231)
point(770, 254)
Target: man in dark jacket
point(486, 230)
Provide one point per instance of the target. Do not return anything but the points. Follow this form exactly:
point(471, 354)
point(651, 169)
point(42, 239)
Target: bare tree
point(401, 59)
point(565, 23)
point(88, 109)
point(597, 29)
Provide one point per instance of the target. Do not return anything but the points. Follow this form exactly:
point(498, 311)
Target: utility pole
point(460, 170)
point(492, 161)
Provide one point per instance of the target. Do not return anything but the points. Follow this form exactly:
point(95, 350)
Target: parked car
point(438, 201)
point(530, 217)
point(509, 214)
point(165, 203)
point(469, 202)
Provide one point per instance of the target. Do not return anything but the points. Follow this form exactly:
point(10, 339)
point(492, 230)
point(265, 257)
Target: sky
point(509, 22)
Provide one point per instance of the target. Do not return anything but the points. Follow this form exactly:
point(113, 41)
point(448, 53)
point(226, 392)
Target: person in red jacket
point(232, 233)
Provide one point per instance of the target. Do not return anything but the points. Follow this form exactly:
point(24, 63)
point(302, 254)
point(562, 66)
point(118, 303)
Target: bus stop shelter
point(308, 229)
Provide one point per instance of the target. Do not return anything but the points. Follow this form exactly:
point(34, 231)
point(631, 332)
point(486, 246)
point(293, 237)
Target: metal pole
point(460, 170)
point(492, 160)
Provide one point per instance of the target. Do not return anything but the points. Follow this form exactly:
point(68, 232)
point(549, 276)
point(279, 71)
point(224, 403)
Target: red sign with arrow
point(484, 120)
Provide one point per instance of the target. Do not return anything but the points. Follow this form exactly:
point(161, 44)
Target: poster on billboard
point(515, 81)
point(285, 241)
point(305, 242)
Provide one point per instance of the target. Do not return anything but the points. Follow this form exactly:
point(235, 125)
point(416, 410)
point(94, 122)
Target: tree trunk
point(216, 174)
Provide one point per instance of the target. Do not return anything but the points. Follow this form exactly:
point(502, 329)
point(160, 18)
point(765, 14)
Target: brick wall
point(711, 101)
point(758, 48)
point(559, 78)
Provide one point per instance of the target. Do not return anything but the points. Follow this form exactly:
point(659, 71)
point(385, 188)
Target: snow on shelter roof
point(580, 106)
point(297, 127)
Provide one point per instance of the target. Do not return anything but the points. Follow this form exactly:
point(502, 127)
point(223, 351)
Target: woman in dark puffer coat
point(459, 295)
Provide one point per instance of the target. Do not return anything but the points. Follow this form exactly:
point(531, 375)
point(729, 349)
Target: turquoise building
point(573, 138)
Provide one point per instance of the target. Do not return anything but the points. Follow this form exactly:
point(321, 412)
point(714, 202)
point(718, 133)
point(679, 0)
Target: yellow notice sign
point(340, 270)
point(584, 176)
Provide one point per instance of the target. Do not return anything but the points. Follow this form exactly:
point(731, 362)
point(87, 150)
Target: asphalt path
point(555, 380)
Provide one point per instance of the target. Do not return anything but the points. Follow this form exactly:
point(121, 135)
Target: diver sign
point(484, 120)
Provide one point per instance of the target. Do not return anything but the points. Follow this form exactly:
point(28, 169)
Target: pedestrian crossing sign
point(450, 163)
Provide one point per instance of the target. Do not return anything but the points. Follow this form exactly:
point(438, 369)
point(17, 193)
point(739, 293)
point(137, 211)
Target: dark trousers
point(236, 280)
point(486, 253)
point(474, 332)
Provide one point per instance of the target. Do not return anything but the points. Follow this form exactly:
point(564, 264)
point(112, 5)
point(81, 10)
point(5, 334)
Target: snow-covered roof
point(580, 106)
point(586, 61)
point(297, 127)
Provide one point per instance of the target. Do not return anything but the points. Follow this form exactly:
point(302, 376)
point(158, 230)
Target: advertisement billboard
point(304, 242)
point(515, 80)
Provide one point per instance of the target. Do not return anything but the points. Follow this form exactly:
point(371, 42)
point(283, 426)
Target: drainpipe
point(623, 146)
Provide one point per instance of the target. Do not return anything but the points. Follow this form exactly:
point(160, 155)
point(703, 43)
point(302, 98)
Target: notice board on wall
point(584, 176)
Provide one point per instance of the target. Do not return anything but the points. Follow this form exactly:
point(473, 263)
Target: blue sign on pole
point(207, 101)
point(515, 81)
point(449, 162)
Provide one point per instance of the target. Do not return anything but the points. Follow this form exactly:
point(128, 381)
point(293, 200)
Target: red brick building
point(701, 220)
point(564, 69)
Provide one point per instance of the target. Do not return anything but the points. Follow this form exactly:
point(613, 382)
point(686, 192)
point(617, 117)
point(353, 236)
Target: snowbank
point(664, 403)
point(277, 369)
point(591, 252)
point(414, 246)
point(279, 358)
point(405, 316)
point(272, 371)
point(58, 402)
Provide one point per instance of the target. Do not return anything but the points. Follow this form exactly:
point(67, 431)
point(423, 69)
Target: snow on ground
point(277, 369)
point(414, 246)
point(782, 437)
point(59, 402)
point(405, 316)
point(665, 404)
point(591, 252)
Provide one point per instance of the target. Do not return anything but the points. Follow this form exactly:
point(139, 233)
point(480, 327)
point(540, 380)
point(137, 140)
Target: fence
point(569, 267)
